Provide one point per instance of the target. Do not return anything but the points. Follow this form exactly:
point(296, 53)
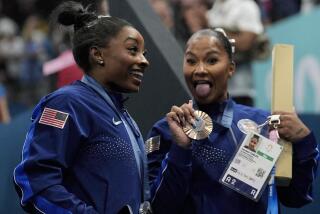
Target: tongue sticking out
point(203, 90)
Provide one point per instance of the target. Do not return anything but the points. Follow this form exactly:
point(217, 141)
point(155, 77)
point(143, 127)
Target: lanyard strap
point(272, 196)
point(227, 116)
point(137, 144)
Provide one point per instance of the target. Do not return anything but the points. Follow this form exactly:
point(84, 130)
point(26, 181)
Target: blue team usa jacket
point(82, 154)
point(186, 181)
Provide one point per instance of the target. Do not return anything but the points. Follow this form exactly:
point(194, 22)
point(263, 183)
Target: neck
point(98, 76)
point(212, 108)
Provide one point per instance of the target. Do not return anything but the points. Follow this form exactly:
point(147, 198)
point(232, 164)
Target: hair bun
point(69, 17)
point(72, 13)
point(67, 13)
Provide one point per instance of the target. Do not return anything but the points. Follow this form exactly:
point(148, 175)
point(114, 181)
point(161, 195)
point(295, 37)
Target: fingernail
point(183, 120)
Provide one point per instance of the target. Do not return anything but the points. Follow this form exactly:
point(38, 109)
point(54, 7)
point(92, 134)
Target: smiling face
point(124, 62)
point(207, 69)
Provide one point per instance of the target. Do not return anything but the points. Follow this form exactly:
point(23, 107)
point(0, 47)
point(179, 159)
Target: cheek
point(221, 78)
point(187, 73)
point(126, 61)
point(123, 58)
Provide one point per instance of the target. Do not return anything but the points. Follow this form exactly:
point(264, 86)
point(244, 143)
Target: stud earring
point(100, 62)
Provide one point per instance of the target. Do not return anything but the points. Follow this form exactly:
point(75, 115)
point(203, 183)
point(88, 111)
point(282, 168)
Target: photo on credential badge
point(253, 143)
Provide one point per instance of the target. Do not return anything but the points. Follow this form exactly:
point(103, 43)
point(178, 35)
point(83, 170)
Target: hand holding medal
point(185, 124)
point(201, 128)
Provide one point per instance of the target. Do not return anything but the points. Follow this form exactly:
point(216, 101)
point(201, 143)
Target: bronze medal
point(152, 144)
point(201, 128)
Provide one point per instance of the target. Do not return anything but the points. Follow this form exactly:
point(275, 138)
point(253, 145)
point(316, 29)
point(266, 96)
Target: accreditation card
point(249, 169)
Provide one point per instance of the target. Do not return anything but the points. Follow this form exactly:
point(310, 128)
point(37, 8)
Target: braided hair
point(89, 29)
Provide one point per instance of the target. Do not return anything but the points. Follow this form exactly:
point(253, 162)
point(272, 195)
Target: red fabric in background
point(68, 75)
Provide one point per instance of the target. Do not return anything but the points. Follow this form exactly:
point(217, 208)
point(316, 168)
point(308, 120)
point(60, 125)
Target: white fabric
point(243, 15)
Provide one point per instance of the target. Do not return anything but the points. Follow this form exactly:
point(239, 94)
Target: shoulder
point(76, 90)
point(247, 112)
point(70, 101)
point(76, 93)
point(71, 98)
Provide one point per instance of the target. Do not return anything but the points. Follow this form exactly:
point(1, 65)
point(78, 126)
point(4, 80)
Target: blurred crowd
point(36, 58)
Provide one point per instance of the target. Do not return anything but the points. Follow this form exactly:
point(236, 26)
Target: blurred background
point(36, 59)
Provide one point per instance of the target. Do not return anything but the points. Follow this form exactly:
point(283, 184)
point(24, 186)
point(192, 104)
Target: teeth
point(195, 83)
point(137, 74)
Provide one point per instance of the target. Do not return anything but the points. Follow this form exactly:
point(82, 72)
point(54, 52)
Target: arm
point(48, 154)
point(171, 177)
point(305, 161)
point(169, 174)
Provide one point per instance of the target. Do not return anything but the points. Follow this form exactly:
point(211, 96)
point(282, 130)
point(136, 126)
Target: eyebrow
point(208, 53)
point(131, 38)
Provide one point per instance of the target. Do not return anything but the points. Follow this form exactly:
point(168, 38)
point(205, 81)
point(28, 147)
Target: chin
point(135, 91)
point(202, 100)
point(206, 100)
point(132, 90)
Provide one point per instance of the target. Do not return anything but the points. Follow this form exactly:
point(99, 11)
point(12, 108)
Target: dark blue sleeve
point(304, 169)
point(48, 153)
point(169, 173)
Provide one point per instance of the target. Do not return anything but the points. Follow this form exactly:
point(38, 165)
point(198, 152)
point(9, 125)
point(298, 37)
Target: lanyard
point(272, 196)
point(132, 131)
point(224, 121)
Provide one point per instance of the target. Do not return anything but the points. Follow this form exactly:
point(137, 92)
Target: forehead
point(128, 33)
point(204, 42)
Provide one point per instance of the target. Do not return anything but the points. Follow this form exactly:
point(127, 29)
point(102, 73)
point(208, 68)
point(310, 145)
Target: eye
point(133, 50)
point(191, 61)
point(212, 60)
point(145, 53)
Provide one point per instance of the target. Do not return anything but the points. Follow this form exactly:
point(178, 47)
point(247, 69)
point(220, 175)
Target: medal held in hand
point(152, 144)
point(201, 128)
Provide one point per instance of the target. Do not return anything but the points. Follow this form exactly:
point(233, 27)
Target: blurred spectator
point(308, 5)
point(284, 8)
point(64, 65)
point(22, 54)
point(189, 16)
point(193, 12)
point(11, 49)
point(66, 68)
point(276, 10)
point(4, 111)
point(38, 49)
point(69, 73)
point(102, 7)
point(163, 9)
point(242, 21)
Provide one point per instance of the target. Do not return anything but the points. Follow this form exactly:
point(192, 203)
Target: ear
point(96, 55)
point(232, 69)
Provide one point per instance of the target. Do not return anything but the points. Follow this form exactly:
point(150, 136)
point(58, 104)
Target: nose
point(200, 68)
point(144, 63)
